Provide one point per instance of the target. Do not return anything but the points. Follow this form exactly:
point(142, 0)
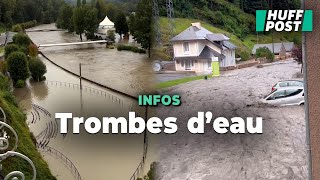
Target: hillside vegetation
point(234, 18)
point(17, 119)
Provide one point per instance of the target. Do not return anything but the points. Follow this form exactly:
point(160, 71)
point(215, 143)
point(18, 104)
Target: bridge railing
point(65, 159)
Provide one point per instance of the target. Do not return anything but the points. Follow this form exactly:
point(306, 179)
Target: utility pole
point(80, 72)
point(156, 18)
point(271, 7)
point(306, 105)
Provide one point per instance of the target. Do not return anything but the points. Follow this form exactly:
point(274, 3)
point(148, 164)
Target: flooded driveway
point(122, 70)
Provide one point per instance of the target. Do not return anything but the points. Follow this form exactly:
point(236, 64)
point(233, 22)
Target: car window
point(296, 83)
point(283, 84)
point(277, 95)
point(292, 92)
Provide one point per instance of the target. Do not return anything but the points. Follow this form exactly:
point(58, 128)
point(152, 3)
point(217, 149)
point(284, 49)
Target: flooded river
point(99, 156)
point(125, 71)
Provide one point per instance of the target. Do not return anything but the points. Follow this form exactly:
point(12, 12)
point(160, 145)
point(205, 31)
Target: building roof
point(206, 53)
point(106, 22)
point(217, 37)
point(277, 47)
point(229, 45)
point(192, 33)
point(197, 32)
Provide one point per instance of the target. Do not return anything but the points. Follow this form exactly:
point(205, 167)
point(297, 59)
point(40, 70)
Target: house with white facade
point(196, 48)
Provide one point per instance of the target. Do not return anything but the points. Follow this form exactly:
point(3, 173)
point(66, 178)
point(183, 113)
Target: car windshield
point(269, 94)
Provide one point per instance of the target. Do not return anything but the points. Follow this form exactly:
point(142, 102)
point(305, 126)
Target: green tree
point(121, 24)
point(131, 23)
point(78, 3)
point(37, 69)
point(84, 2)
point(21, 40)
point(90, 21)
point(111, 11)
point(79, 21)
point(64, 20)
point(101, 7)
point(143, 22)
point(111, 36)
point(10, 49)
point(33, 50)
point(18, 66)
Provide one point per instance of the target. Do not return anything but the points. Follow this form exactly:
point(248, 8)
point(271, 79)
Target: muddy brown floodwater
point(279, 153)
point(98, 156)
point(125, 71)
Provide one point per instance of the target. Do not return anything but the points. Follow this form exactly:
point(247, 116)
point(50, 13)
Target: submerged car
point(289, 83)
point(285, 96)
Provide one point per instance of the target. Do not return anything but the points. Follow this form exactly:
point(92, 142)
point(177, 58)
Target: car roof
point(290, 87)
point(291, 81)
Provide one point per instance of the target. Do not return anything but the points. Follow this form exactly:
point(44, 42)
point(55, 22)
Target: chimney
point(196, 24)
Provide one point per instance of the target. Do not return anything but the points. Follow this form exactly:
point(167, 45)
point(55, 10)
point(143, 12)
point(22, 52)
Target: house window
point(209, 64)
point(186, 47)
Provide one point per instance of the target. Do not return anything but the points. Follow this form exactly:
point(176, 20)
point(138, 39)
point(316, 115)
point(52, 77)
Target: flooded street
point(99, 156)
point(122, 70)
point(278, 153)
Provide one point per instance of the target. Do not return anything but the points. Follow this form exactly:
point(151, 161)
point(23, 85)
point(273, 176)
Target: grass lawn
point(179, 81)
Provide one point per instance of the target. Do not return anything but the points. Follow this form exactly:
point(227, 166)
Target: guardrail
point(65, 159)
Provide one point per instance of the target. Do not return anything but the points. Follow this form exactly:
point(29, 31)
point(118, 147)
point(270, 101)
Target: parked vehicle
point(293, 95)
point(288, 83)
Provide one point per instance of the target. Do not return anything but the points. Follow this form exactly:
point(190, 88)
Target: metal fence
point(139, 169)
point(88, 89)
point(65, 160)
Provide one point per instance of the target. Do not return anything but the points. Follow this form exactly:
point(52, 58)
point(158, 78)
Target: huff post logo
point(284, 20)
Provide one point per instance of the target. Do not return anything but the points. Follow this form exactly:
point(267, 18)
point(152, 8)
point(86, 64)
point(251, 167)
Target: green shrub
point(122, 47)
point(17, 28)
point(18, 66)
point(264, 52)
point(3, 67)
point(10, 49)
point(4, 83)
point(20, 84)
point(37, 69)
point(111, 36)
point(33, 50)
point(21, 39)
point(244, 55)
point(20, 27)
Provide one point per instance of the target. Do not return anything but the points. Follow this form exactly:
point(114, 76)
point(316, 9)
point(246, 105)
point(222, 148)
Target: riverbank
point(17, 119)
